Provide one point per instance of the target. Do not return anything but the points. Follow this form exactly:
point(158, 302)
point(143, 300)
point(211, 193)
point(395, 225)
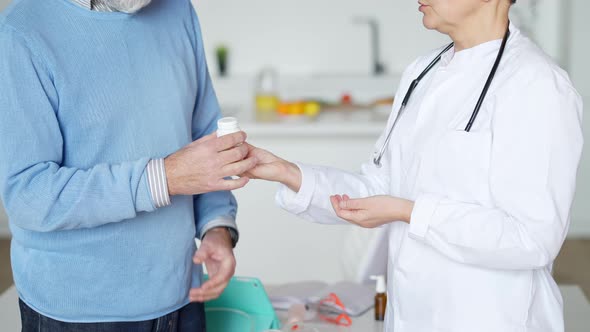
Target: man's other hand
point(217, 254)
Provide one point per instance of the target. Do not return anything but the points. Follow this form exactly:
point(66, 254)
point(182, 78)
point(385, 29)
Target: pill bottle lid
point(228, 123)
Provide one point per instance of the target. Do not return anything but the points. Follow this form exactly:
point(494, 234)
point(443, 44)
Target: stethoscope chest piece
point(377, 160)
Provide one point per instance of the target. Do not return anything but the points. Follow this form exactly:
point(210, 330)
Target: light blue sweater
point(86, 100)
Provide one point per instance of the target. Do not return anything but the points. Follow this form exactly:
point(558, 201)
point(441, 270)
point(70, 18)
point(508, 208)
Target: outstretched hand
point(217, 254)
point(272, 168)
point(372, 212)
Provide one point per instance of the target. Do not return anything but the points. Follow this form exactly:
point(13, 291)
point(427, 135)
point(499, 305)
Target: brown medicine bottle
point(380, 298)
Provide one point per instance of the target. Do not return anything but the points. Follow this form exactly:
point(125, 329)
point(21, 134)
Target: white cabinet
point(277, 246)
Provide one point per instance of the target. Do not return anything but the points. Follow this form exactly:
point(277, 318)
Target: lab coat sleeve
point(214, 209)
point(39, 192)
point(312, 202)
point(536, 149)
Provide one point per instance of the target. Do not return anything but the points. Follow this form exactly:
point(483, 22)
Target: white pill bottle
point(226, 126)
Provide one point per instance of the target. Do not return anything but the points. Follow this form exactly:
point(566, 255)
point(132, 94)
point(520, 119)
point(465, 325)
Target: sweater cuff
point(227, 222)
point(298, 202)
point(143, 198)
point(156, 174)
point(424, 208)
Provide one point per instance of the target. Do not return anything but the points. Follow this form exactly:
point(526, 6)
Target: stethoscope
point(414, 84)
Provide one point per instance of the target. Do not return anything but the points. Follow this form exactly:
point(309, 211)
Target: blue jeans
point(190, 318)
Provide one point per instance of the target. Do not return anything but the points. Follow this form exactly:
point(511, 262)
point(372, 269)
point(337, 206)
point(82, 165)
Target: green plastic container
point(244, 306)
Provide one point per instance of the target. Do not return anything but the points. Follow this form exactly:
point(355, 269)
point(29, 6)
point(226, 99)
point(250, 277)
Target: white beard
point(127, 6)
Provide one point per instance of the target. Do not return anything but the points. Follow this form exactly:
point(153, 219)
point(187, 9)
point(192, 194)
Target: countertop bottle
point(267, 99)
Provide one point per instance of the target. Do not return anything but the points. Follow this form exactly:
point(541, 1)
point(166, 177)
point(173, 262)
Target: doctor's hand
point(273, 168)
point(372, 212)
point(217, 254)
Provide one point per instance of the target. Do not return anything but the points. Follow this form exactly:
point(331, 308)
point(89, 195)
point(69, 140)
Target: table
point(364, 323)
point(577, 314)
point(576, 309)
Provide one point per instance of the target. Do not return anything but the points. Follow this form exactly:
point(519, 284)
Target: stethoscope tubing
point(414, 84)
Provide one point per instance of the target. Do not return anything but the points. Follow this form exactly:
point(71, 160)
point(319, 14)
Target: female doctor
point(473, 176)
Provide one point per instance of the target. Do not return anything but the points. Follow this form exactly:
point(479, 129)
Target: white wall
point(318, 36)
point(580, 73)
point(580, 48)
point(581, 209)
point(313, 36)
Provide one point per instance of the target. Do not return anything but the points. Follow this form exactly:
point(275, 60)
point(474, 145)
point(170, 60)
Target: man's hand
point(373, 211)
point(203, 165)
point(273, 168)
point(217, 254)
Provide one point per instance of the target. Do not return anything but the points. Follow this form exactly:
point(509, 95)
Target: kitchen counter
point(361, 122)
point(236, 95)
point(313, 129)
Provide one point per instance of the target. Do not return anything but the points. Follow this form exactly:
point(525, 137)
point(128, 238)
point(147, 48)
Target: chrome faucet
point(378, 67)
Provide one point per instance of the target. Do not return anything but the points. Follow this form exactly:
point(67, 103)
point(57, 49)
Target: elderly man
point(108, 168)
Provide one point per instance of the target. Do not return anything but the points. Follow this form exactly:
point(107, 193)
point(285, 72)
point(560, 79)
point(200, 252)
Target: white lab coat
point(492, 206)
